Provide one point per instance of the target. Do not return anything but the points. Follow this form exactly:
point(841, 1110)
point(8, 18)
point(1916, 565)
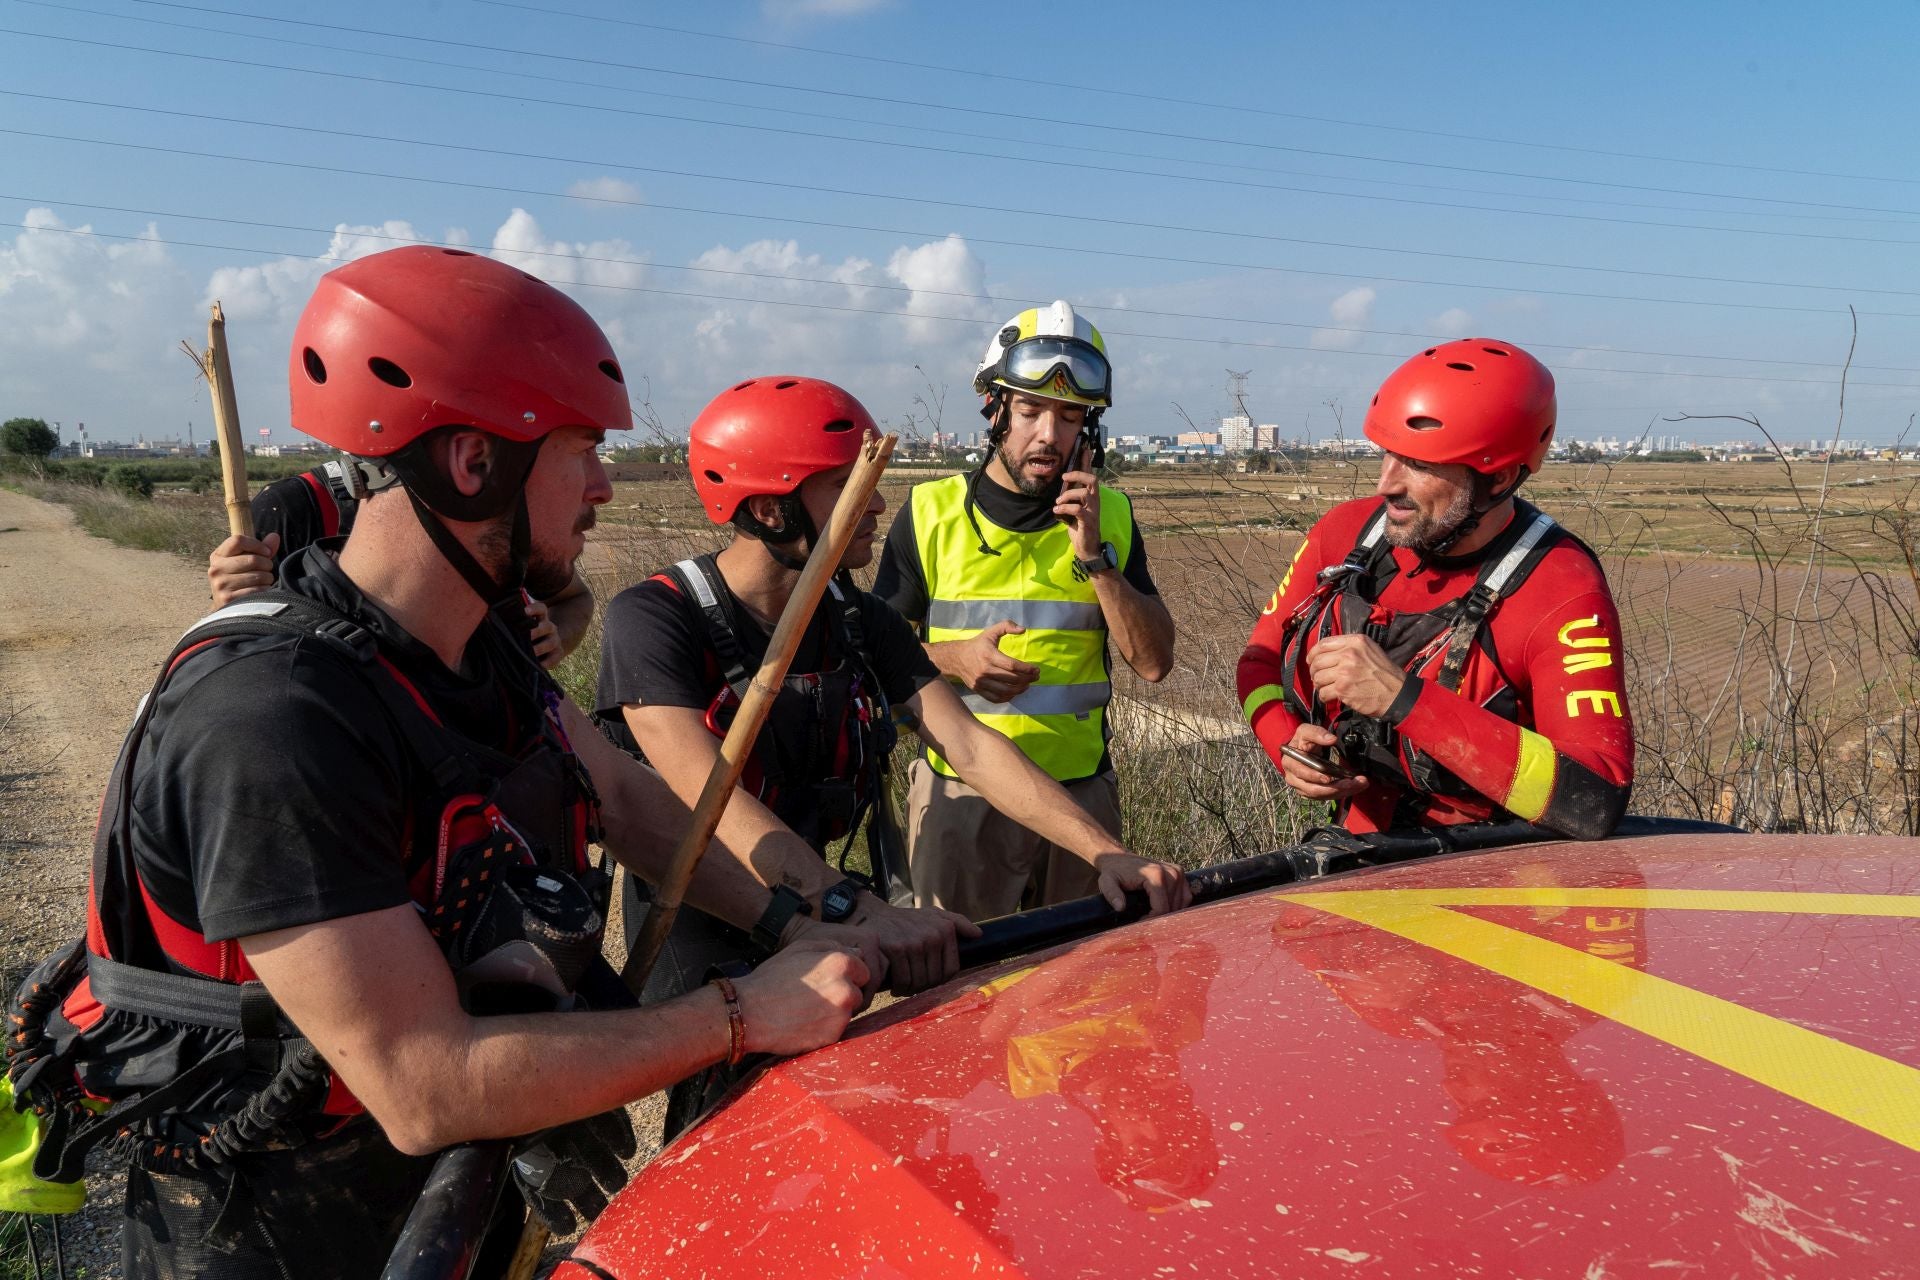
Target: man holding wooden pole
point(770, 456)
point(353, 815)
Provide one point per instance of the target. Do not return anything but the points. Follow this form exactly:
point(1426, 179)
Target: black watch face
point(837, 902)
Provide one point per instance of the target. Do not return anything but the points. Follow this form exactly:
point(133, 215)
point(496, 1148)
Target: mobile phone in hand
point(1321, 763)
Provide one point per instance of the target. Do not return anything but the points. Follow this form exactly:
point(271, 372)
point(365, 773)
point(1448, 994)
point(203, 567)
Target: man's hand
point(545, 636)
point(1078, 506)
point(921, 944)
point(1165, 884)
point(241, 566)
point(990, 673)
point(1312, 783)
point(1357, 672)
point(801, 998)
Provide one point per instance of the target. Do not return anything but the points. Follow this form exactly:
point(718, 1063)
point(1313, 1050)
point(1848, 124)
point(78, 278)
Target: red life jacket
point(818, 761)
point(178, 1035)
point(1434, 645)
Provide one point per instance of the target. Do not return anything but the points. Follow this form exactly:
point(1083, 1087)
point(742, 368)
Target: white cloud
point(278, 289)
point(519, 242)
point(1452, 323)
point(93, 325)
point(602, 190)
point(1350, 311)
point(934, 273)
point(788, 10)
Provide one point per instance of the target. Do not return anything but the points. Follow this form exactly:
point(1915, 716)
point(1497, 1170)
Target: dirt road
point(84, 625)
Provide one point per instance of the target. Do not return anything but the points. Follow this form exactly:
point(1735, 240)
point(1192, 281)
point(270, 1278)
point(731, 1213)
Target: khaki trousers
point(967, 856)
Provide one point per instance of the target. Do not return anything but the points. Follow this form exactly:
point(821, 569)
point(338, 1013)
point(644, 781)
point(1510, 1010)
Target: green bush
point(134, 482)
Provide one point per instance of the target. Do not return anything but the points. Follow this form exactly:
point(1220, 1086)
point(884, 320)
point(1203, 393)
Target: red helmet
point(397, 343)
point(766, 435)
point(1477, 402)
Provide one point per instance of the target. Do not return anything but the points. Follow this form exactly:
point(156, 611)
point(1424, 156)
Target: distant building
point(1236, 433)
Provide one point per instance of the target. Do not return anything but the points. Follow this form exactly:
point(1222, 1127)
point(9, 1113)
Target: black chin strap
point(1467, 526)
point(491, 591)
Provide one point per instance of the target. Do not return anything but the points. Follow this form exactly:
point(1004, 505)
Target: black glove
point(566, 1174)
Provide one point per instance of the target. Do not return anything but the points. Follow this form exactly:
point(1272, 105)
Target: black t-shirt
point(302, 509)
point(654, 652)
point(901, 580)
point(273, 789)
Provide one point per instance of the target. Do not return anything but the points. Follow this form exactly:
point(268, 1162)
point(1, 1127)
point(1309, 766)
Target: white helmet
point(1051, 352)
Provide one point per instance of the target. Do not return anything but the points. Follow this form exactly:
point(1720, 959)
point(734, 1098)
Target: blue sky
point(1309, 193)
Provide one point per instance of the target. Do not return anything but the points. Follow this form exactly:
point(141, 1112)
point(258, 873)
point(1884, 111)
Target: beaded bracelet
point(736, 1021)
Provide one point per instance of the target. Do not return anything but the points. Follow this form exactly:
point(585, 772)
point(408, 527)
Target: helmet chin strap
point(435, 500)
point(491, 590)
point(1428, 554)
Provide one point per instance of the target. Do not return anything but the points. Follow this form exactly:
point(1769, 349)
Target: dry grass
point(1771, 612)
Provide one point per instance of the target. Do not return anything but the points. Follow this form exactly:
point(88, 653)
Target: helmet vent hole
point(715, 477)
point(1461, 365)
point(1374, 401)
point(784, 383)
point(1495, 351)
point(1431, 350)
point(457, 253)
point(612, 370)
point(389, 372)
point(839, 424)
point(316, 367)
point(744, 385)
point(1424, 424)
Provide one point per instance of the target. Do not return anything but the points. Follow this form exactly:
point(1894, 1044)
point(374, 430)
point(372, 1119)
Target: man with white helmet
point(1019, 573)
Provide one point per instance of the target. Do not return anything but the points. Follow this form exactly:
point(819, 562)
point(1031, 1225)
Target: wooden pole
point(738, 744)
point(822, 562)
point(226, 425)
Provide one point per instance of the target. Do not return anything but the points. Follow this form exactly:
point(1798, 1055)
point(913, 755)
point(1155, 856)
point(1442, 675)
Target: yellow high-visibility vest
point(1060, 722)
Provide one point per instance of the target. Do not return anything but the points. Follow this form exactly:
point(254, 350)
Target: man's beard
point(1015, 467)
point(549, 569)
point(1428, 532)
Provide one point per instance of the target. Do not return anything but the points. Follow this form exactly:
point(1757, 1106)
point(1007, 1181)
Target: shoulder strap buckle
point(349, 637)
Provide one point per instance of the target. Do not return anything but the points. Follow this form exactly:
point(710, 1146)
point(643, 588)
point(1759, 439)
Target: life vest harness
point(194, 1064)
point(819, 761)
point(1433, 645)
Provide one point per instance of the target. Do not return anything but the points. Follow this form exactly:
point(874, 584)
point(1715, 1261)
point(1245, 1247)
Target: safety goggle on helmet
point(1051, 352)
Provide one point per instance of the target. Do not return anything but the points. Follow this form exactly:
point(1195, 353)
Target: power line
point(909, 102)
point(936, 235)
point(1053, 82)
point(1052, 163)
point(972, 321)
point(1001, 299)
point(970, 206)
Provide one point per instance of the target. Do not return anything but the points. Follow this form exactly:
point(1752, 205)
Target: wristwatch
point(1107, 559)
point(779, 914)
point(837, 903)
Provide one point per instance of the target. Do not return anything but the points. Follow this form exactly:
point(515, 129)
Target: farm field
point(1767, 633)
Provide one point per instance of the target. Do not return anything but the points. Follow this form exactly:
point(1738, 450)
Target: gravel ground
point(84, 626)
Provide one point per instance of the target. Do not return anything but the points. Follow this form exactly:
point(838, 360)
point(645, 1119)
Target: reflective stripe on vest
point(1060, 721)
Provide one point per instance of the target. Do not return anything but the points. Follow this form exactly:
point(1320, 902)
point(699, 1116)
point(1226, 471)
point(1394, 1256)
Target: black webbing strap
point(179, 997)
point(702, 586)
point(1500, 575)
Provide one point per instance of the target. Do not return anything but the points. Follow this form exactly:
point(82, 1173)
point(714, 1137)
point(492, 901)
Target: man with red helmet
point(769, 456)
point(1443, 652)
point(296, 512)
point(353, 815)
